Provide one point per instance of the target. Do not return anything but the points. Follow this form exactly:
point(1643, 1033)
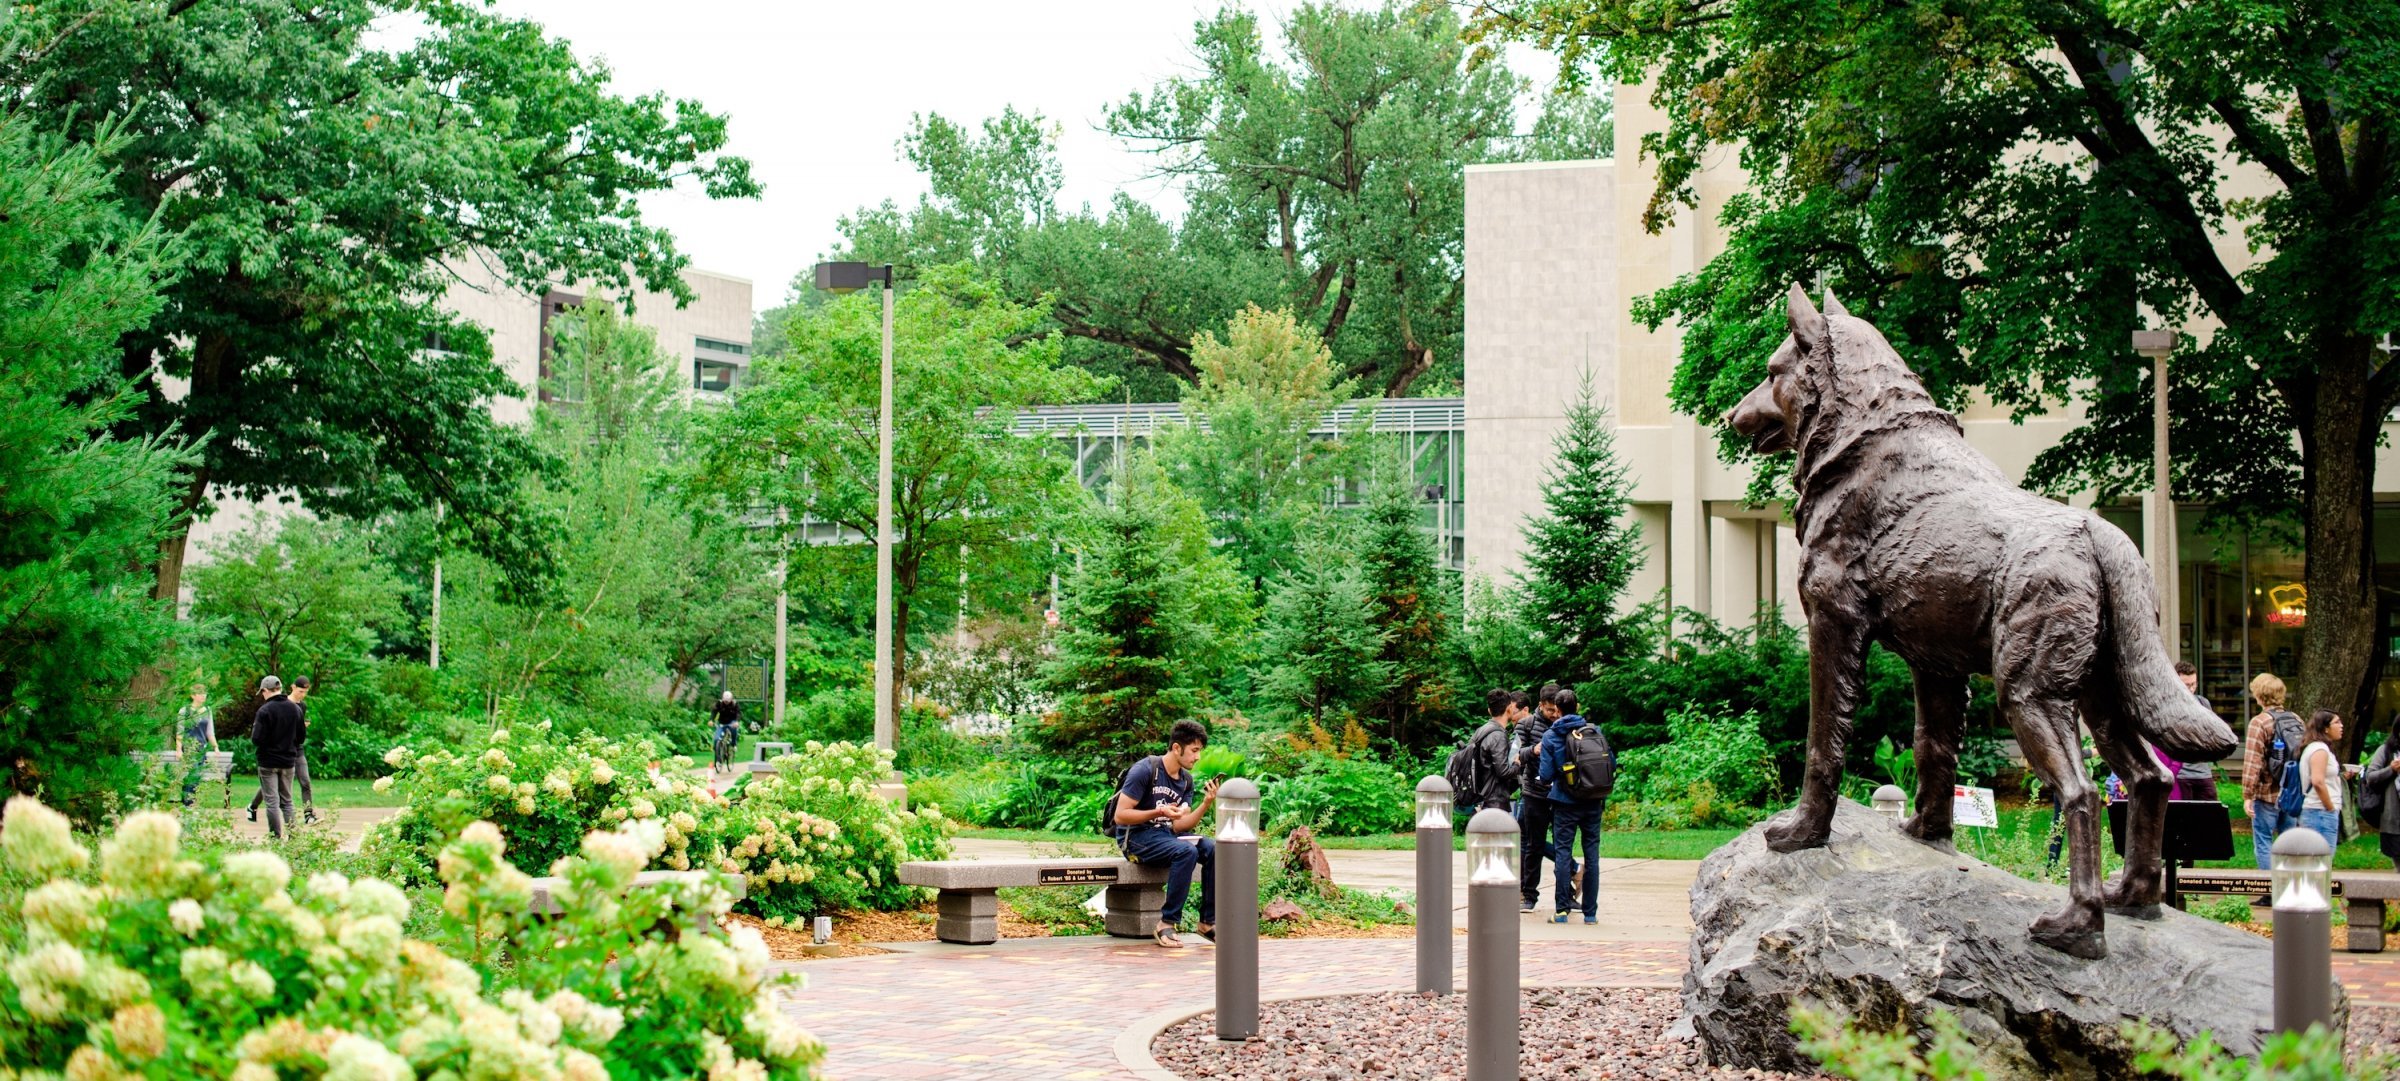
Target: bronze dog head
point(1829, 364)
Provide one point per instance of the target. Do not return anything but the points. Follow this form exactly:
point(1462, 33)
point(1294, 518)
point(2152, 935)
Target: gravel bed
point(2372, 1028)
point(1606, 1032)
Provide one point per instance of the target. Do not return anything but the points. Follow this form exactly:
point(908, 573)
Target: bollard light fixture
point(1237, 812)
point(2302, 875)
point(1492, 848)
point(1890, 802)
point(1434, 800)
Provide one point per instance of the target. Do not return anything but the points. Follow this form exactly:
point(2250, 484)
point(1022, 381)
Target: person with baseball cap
point(276, 732)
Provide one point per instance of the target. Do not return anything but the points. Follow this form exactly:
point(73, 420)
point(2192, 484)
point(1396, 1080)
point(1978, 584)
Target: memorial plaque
point(1076, 876)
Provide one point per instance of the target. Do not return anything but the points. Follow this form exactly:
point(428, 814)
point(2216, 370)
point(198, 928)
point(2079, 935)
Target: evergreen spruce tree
point(1321, 640)
point(1144, 615)
point(1413, 602)
point(81, 513)
point(1583, 550)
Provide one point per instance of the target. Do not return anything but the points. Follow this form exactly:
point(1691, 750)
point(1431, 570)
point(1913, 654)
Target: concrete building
point(1555, 255)
point(710, 340)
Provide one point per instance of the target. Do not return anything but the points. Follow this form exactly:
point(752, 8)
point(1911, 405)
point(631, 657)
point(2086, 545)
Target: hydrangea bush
point(812, 838)
point(166, 966)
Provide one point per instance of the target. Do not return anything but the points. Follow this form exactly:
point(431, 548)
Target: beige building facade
point(1555, 256)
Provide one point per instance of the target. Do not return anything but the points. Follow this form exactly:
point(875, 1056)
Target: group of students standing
point(2281, 752)
point(1538, 758)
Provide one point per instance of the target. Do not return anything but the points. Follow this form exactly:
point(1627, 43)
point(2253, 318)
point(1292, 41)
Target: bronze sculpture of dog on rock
point(1912, 538)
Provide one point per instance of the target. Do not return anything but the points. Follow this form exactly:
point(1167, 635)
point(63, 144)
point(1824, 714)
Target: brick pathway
point(1051, 1010)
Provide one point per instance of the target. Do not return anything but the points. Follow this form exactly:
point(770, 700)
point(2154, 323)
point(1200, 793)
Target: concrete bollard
point(2301, 888)
point(1237, 909)
point(1433, 886)
point(1492, 929)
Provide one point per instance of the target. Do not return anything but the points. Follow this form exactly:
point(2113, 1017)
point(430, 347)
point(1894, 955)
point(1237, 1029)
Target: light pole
point(2157, 345)
point(2301, 889)
point(1891, 803)
point(848, 278)
point(1237, 910)
point(1433, 885)
point(1492, 883)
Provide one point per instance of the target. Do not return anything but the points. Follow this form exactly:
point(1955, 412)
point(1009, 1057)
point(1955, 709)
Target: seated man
point(1155, 820)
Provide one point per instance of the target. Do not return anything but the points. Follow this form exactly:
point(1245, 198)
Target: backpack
point(1464, 775)
point(2283, 760)
point(1588, 769)
point(1108, 807)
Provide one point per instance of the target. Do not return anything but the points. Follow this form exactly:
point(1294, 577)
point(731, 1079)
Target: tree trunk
point(167, 582)
point(2337, 448)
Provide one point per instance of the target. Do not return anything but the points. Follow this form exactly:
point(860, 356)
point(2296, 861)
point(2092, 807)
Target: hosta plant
point(163, 966)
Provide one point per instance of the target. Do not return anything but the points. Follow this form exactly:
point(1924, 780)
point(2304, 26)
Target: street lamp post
point(2301, 889)
point(848, 278)
point(1433, 885)
point(1237, 910)
point(1492, 1039)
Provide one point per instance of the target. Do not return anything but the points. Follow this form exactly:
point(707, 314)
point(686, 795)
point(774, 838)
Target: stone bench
point(543, 904)
point(758, 751)
point(2363, 894)
point(968, 907)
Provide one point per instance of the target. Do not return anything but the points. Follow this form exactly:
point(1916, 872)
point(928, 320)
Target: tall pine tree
point(1412, 601)
point(1145, 614)
point(1583, 550)
point(1323, 646)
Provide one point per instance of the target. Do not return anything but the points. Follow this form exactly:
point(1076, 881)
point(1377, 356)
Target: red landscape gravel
point(1580, 1033)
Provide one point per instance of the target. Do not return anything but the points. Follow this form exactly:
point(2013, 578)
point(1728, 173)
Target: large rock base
point(1884, 930)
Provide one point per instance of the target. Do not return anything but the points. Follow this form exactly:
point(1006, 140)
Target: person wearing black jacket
point(276, 732)
point(1495, 754)
point(1533, 809)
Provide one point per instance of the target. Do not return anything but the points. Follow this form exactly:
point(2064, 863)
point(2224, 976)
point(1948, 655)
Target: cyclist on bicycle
point(728, 715)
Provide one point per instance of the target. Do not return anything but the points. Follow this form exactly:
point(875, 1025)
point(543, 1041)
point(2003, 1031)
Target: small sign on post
point(1972, 806)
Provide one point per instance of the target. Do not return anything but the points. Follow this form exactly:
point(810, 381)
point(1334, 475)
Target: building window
point(736, 348)
point(711, 376)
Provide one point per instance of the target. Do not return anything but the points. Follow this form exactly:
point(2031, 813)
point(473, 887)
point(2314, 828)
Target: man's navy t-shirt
point(1150, 788)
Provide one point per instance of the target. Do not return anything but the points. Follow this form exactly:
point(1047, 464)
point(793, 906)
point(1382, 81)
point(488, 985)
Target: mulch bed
point(1611, 1032)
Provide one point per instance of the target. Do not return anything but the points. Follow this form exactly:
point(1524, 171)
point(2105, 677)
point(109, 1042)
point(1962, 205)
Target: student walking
point(308, 792)
point(2321, 778)
point(2377, 808)
point(1580, 770)
point(195, 736)
point(276, 732)
point(2273, 737)
point(1155, 819)
point(1533, 801)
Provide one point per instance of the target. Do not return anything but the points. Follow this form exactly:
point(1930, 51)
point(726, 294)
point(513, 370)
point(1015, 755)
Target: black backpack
point(1588, 769)
point(1108, 807)
point(2283, 749)
point(1464, 774)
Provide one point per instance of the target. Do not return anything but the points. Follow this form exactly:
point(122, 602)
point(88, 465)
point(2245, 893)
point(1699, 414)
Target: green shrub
point(1060, 911)
point(217, 968)
point(1042, 789)
point(2224, 909)
point(1862, 1054)
point(1340, 797)
point(966, 795)
point(1723, 752)
point(813, 837)
point(543, 794)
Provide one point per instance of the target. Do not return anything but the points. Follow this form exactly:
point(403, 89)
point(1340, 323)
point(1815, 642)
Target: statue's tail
point(2163, 712)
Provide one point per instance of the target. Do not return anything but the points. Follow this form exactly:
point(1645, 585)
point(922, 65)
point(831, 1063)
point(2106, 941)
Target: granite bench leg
point(2366, 925)
point(970, 917)
point(1133, 910)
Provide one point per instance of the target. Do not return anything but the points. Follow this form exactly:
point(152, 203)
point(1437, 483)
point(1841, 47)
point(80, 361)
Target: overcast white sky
point(819, 93)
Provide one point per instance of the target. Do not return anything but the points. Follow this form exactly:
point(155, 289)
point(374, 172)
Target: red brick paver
point(1051, 1010)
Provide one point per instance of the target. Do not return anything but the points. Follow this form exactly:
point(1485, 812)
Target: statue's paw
point(1935, 834)
point(2072, 934)
point(1795, 833)
point(2141, 897)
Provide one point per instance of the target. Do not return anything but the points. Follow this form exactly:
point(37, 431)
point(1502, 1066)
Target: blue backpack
point(2283, 755)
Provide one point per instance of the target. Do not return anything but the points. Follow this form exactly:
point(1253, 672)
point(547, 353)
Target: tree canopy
point(2008, 189)
point(326, 186)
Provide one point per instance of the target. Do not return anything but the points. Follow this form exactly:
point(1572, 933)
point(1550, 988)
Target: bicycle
point(727, 739)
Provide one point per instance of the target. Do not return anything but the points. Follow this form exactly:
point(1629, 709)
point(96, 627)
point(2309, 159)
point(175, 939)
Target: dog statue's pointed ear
point(1808, 327)
point(1833, 304)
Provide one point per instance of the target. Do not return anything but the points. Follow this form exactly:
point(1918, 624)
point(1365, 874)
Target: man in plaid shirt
point(2261, 788)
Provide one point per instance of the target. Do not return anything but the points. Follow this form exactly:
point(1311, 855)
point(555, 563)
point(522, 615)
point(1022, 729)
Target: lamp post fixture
point(2158, 345)
point(1891, 803)
point(1433, 886)
point(1237, 909)
point(1492, 1044)
point(849, 278)
point(2301, 887)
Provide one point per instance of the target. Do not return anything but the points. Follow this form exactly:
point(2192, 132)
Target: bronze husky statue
point(1912, 538)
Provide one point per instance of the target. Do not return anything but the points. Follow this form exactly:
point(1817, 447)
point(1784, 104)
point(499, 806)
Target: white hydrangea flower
point(750, 951)
point(498, 784)
point(37, 840)
point(258, 875)
point(559, 784)
point(383, 783)
point(330, 886)
point(618, 852)
point(185, 916)
point(143, 850)
point(140, 1031)
point(576, 1065)
point(253, 1071)
point(251, 980)
point(602, 774)
point(373, 939)
point(358, 1058)
point(63, 908)
point(376, 897)
point(483, 835)
point(641, 808)
point(396, 757)
point(540, 1023)
point(499, 735)
point(524, 805)
point(202, 964)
